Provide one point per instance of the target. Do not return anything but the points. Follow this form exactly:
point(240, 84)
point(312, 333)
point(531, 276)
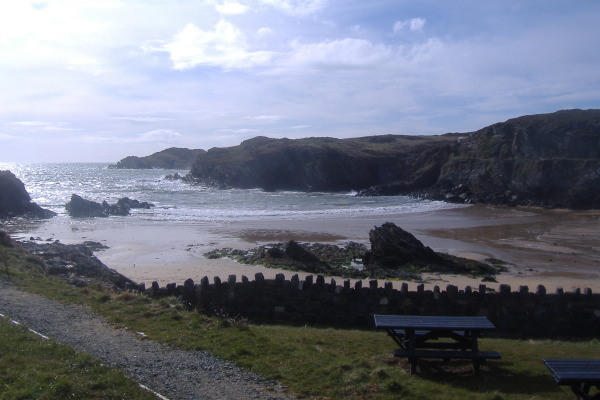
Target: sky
point(99, 80)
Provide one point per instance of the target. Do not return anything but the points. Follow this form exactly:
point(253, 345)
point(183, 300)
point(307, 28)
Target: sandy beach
point(554, 248)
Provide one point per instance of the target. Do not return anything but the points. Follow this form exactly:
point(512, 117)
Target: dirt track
point(174, 374)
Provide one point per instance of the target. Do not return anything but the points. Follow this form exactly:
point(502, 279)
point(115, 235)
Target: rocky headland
point(548, 160)
point(172, 158)
point(325, 164)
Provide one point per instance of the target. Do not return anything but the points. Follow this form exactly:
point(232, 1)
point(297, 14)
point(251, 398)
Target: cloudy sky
point(97, 80)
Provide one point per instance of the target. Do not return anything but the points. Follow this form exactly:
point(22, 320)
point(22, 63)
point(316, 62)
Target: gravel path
point(174, 374)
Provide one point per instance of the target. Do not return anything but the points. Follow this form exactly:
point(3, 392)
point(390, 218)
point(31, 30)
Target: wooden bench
point(579, 374)
point(419, 337)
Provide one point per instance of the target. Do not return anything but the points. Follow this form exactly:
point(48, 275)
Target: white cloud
point(158, 135)
point(56, 21)
point(86, 64)
point(231, 7)
point(40, 125)
point(262, 32)
point(28, 123)
point(241, 130)
point(336, 67)
point(142, 119)
point(153, 136)
point(344, 53)
point(224, 47)
point(9, 137)
point(269, 118)
point(297, 7)
point(413, 25)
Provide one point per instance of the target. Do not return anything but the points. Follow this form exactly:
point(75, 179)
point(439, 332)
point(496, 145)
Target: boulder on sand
point(393, 249)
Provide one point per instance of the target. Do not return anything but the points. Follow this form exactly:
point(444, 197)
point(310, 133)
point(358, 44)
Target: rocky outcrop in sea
point(16, 202)
point(78, 207)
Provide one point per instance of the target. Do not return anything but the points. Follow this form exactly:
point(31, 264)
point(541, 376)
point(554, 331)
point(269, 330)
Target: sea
point(51, 185)
point(168, 242)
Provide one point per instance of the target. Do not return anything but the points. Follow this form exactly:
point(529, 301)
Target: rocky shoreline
point(76, 264)
point(394, 254)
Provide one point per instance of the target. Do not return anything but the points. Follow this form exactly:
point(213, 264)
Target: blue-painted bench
point(418, 337)
point(580, 374)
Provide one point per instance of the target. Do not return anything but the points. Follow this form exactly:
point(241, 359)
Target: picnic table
point(418, 337)
point(579, 374)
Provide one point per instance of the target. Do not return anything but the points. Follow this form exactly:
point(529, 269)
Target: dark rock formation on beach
point(76, 263)
point(394, 253)
point(15, 201)
point(172, 158)
point(79, 207)
point(317, 258)
point(392, 246)
point(550, 160)
point(393, 249)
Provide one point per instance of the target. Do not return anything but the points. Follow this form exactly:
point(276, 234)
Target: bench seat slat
point(420, 332)
point(447, 354)
point(433, 322)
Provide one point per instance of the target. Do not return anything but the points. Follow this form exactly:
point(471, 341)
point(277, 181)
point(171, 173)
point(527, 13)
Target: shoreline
point(553, 248)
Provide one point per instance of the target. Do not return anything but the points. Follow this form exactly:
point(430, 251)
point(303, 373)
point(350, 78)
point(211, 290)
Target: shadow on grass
point(493, 376)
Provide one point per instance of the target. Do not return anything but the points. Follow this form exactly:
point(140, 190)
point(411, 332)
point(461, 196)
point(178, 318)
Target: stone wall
point(521, 313)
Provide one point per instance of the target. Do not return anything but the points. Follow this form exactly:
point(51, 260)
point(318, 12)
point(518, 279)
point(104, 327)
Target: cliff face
point(548, 160)
point(324, 164)
point(172, 158)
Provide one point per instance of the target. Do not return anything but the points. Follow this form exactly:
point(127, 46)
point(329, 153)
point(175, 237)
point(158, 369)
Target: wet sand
point(554, 248)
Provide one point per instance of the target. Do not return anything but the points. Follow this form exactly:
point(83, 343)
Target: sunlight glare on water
point(51, 186)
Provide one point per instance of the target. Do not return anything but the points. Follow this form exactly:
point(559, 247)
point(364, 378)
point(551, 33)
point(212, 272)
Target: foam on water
point(51, 186)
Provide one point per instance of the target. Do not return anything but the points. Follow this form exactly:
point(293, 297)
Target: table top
point(569, 371)
point(432, 322)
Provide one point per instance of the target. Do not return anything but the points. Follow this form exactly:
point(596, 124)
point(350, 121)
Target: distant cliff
point(172, 158)
point(325, 164)
point(550, 160)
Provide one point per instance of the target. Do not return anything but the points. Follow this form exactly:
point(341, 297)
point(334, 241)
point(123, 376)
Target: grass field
point(319, 363)
point(35, 368)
